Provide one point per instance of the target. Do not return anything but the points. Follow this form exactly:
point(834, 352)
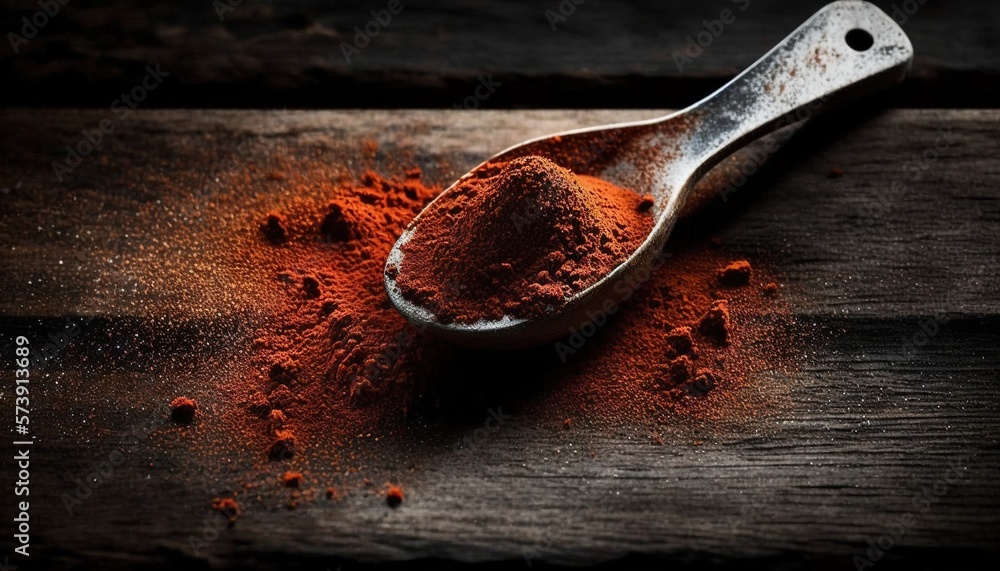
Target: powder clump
point(517, 238)
point(182, 410)
point(335, 226)
point(736, 274)
point(679, 341)
point(283, 446)
point(292, 479)
point(227, 507)
point(274, 228)
point(715, 323)
point(678, 372)
point(393, 495)
point(703, 382)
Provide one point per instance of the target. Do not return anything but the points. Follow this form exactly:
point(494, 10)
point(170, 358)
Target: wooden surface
point(871, 420)
point(608, 53)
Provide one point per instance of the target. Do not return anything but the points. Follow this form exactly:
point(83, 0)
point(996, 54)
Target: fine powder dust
point(518, 238)
point(337, 360)
point(334, 368)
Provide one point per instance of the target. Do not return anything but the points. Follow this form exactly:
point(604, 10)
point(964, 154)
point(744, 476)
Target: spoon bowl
point(846, 50)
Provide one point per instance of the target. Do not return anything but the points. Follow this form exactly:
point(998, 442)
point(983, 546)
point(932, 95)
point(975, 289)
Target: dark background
point(271, 54)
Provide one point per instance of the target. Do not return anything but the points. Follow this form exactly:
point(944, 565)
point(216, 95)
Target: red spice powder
point(283, 446)
point(518, 238)
point(334, 367)
point(715, 322)
point(227, 507)
point(393, 495)
point(679, 341)
point(343, 362)
point(182, 410)
point(292, 479)
point(331, 381)
point(274, 228)
point(736, 274)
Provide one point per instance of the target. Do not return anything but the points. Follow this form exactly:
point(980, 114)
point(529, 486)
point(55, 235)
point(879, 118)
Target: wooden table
point(897, 260)
point(871, 424)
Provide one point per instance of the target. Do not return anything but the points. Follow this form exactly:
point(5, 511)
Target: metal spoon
point(847, 49)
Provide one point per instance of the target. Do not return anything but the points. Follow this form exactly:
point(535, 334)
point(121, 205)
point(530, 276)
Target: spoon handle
point(846, 50)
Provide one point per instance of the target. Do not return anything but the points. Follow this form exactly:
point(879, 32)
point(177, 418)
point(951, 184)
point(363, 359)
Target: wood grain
point(270, 54)
point(872, 422)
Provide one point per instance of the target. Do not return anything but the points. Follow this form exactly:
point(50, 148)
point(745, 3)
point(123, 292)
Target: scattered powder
point(274, 228)
point(337, 361)
point(227, 507)
point(333, 369)
point(292, 479)
point(283, 446)
point(393, 495)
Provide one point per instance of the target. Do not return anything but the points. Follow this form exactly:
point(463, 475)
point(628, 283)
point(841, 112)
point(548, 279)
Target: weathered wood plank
point(605, 54)
point(865, 437)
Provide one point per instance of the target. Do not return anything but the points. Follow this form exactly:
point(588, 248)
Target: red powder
point(677, 372)
point(292, 479)
point(283, 371)
point(276, 420)
point(715, 322)
point(646, 203)
point(393, 495)
point(736, 274)
point(258, 405)
point(771, 289)
point(703, 382)
point(274, 228)
point(679, 341)
point(359, 391)
point(182, 410)
point(283, 446)
point(227, 507)
point(344, 362)
point(518, 238)
point(335, 372)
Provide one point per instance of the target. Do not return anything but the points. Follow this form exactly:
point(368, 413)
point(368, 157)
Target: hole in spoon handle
point(846, 50)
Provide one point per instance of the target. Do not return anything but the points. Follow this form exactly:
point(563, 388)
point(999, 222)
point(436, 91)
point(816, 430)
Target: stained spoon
point(846, 50)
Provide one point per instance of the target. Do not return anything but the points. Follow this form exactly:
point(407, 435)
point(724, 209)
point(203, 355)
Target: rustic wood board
point(872, 422)
point(605, 54)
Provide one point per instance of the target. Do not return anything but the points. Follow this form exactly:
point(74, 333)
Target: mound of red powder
point(518, 238)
